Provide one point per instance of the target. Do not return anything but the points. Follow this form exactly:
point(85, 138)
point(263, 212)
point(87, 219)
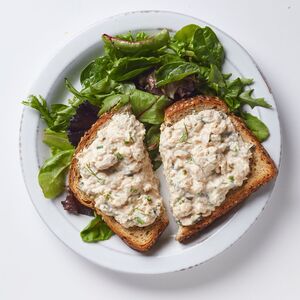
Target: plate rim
point(25, 111)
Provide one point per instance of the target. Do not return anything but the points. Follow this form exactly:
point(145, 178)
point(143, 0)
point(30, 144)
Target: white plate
point(168, 255)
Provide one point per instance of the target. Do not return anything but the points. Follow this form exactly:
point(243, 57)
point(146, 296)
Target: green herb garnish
point(149, 199)
point(184, 136)
point(130, 140)
point(101, 180)
point(133, 190)
point(231, 178)
point(139, 220)
point(119, 156)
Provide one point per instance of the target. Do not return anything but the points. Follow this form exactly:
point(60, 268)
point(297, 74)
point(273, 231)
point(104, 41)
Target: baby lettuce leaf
point(152, 143)
point(112, 101)
point(128, 67)
point(58, 140)
point(96, 231)
point(95, 71)
point(152, 137)
point(131, 37)
point(174, 71)
point(148, 108)
point(40, 104)
point(207, 47)
point(259, 129)
point(52, 174)
point(120, 47)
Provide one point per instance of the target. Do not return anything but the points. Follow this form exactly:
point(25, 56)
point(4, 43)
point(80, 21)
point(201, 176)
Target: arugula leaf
point(207, 47)
point(56, 117)
point(246, 98)
point(259, 129)
point(95, 93)
point(96, 231)
point(128, 67)
point(174, 71)
point(148, 108)
point(40, 104)
point(112, 101)
point(52, 174)
point(58, 140)
point(62, 114)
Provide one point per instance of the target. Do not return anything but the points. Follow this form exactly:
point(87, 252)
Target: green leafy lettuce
point(96, 231)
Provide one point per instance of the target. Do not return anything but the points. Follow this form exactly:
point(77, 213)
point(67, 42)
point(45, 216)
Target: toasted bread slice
point(262, 168)
point(138, 238)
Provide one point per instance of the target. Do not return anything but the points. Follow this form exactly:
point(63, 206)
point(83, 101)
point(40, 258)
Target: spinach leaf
point(95, 71)
point(96, 231)
point(148, 108)
point(246, 98)
point(186, 33)
point(128, 67)
point(169, 58)
point(207, 47)
point(58, 140)
point(112, 101)
point(40, 104)
point(174, 71)
point(259, 129)
point(52, 174)
point(216, 80)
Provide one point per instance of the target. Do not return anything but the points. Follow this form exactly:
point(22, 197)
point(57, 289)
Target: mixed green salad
point(149, 72)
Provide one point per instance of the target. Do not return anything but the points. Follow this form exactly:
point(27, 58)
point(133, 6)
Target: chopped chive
point(139, 220)
point(107, 196)
point(130, 140)
point(231, 178)
point(101, 180)
point(133, 190)
point(119, 156)
point(184, 136)
point(100, 147)
point(149, 199)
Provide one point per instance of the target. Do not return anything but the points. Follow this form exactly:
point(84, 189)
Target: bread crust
point(262, 167)
point(138, 238)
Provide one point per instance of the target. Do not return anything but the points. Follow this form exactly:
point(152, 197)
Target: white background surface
point(264, 264)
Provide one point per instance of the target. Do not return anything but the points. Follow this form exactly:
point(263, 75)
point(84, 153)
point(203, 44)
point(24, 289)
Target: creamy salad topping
point(115, 171)
point(204, 157)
